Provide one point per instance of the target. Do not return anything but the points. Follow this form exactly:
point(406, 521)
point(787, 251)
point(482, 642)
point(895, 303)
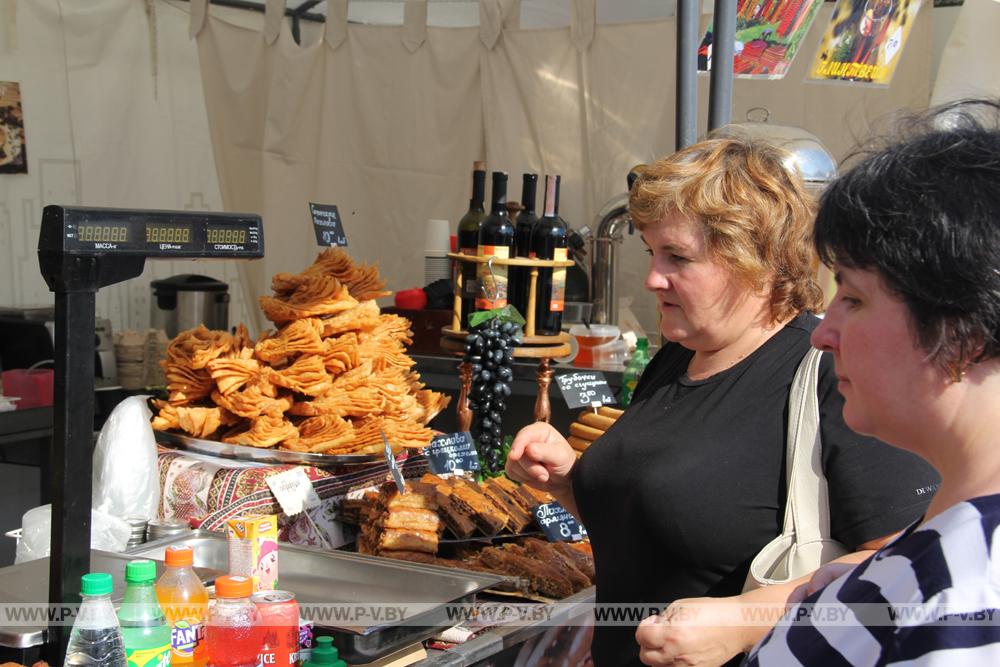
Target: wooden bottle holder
point(543, 348)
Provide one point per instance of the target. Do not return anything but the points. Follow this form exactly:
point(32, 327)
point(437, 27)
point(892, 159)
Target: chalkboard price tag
point(558, 524)
point(452, 452)
point(585, 389)
point(326, 222)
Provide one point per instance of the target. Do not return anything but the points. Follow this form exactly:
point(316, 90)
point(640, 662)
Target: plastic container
point(144, 627)
point(96, 638)
point(324, 655)
point(32, 386)
point(633, 370)
point(595, 344)
point(184, 600)
point(233, 633)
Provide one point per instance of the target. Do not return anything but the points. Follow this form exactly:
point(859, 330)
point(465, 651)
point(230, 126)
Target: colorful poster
point(864, 40)
point(768, 34)
point(13, 151)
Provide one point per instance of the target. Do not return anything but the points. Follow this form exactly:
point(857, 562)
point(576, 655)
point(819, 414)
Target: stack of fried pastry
point(332, 378)
point(400, 521)
point(591, 425)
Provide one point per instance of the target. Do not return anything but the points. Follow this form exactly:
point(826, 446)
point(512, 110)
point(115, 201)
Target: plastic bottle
point(324, 655)
point(96, 639)
point(185, 602)
point(633, 370)
point(144, 627)
point(233, 632)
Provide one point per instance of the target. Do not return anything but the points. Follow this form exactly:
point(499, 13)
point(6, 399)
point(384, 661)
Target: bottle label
point(492, 281)
point(158, 656)
point(557, 303)
point(185, 637)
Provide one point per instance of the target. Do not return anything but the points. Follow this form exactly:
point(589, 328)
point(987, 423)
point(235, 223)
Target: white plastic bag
point(107, 533)
point(126, 475)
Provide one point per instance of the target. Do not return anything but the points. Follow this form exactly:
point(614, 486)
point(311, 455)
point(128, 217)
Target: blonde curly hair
point(756, 214)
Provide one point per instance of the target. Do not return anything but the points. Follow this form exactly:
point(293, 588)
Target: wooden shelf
point(514, 261)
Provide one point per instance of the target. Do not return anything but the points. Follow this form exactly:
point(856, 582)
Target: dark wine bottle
point(468, 240)
point(549, 241)
point(496, 239)
point(520, 276)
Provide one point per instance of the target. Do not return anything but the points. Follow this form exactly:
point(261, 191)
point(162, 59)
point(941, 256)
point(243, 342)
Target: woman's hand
point(542, 458)
point(696, 631)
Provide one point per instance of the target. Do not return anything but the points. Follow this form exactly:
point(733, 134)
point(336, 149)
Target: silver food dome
point(808, 155)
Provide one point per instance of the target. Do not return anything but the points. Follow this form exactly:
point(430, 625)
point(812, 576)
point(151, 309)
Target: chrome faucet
point(609, 224)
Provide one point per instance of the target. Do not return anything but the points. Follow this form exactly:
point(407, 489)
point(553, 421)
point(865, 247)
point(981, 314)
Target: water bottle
point(633, 370)
point(144, 627)
point(96, 638)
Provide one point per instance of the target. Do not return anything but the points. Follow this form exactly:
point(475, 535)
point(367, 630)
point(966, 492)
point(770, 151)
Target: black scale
point(81, 250)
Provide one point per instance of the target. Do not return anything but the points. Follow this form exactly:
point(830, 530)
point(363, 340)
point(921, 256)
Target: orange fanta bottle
point(185, 604)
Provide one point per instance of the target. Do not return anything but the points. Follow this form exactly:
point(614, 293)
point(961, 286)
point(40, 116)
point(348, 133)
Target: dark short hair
point(924, 213)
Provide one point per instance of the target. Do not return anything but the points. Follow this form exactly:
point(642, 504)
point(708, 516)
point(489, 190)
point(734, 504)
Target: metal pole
point(688, 14)
point(720, 100)
point(72, 452)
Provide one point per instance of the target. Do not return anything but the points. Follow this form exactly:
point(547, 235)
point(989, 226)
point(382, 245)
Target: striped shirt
point(932, 597)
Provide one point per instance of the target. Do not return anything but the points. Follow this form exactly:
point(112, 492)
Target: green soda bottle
point(144, 627)
point(633, 370)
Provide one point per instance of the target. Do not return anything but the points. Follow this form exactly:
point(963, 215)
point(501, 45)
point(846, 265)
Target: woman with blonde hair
point(689, 484)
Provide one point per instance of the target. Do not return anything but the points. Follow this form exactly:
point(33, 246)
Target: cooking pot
point(185, 301)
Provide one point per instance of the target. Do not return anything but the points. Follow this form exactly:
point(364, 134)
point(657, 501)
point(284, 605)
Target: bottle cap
point(325, 653)
point(96, 583)
point(179, 556)
point(140, 572)
point(233, 587)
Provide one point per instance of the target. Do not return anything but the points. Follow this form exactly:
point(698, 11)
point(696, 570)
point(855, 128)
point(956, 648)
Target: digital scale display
point(159, 233)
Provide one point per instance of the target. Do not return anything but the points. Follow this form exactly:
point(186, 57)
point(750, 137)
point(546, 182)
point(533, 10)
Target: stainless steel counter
point(498, 639)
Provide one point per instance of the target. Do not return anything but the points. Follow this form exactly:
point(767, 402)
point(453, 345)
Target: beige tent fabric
point(113, 119)
point(388, 134)
point(969, 62)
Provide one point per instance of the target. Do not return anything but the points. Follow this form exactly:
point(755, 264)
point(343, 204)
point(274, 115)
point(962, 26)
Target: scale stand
point(81, 250)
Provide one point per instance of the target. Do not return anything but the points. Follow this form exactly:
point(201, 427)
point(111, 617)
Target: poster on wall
point(864, 40)
point(768, 35)
point(13, 151)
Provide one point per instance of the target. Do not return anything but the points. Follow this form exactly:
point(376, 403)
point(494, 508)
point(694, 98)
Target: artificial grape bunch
point(490, 351)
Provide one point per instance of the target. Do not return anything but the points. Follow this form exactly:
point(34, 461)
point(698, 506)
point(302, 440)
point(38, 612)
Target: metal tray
point(258, 454)
point(338, 577)
point(28, 583)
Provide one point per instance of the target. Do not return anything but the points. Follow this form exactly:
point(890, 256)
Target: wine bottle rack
point(541, 347)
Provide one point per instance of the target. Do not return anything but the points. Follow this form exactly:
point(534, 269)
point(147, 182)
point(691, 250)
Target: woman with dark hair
point(689, 484)
point(913, 235)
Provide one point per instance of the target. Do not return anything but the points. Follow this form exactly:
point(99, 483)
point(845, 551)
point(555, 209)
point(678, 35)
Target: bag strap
point(807, 509)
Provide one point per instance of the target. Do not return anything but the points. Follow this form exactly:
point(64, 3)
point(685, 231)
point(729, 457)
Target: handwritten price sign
point(558, 524)
point(585, 389)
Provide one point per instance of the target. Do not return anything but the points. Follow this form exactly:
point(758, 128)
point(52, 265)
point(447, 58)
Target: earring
point(957, 371)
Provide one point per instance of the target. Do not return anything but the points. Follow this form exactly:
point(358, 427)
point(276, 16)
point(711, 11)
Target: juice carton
point(253, 550)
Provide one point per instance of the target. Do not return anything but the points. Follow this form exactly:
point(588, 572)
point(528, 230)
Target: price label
point(558, 524)
point(453, 452)
point(585, 389)
point(327, 225)
point(293, 490)
point(397, 475)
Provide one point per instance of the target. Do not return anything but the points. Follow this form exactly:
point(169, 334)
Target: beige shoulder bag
point(804, 543)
